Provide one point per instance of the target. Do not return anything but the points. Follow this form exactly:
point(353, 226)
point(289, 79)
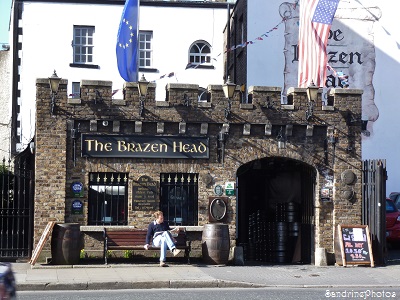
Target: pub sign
point(137, 146)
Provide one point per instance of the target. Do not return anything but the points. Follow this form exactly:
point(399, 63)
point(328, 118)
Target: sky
point(5, 6)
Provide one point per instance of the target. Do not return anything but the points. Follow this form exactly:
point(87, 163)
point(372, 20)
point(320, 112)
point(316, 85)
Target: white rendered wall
point(267, 66)
point(5, 105)
point(47, 39)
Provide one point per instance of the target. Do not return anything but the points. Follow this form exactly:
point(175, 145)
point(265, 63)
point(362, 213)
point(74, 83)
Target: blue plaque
point(77, 189)
point(77, 207)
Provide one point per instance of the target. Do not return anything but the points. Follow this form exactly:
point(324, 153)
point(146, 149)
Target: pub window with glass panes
point(179, 198)
point(145, 50)
point(108, 198)
point(82, 44)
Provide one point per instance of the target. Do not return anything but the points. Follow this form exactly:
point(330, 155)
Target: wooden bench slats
point(135, 239)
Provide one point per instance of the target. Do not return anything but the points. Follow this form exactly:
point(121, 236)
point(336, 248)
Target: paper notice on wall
point(350, 50)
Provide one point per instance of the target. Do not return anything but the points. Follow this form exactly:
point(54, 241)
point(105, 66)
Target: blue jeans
point(164, 241)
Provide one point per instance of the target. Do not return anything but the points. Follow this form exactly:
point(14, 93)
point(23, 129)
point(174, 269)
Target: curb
point(172, 284)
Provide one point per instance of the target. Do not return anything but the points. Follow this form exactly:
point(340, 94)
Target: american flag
point(316, 18)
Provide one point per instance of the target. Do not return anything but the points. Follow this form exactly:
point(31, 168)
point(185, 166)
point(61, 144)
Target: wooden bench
point(135, 239)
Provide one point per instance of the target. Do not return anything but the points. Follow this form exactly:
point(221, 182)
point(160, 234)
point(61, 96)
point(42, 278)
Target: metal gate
point(374, 206)
point(16, 202)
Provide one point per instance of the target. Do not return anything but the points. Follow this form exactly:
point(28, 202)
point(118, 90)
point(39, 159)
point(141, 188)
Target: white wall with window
point(78, 40)
point(83, 44)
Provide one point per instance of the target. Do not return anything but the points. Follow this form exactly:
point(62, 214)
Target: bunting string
point(342, 77)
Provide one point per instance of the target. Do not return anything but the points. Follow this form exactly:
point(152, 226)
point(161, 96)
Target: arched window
point(200, 53)
point(203, 95)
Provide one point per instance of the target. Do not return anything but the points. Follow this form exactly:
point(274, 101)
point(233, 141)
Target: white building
point(78, 40)
point(5, 104)
point(364, 45)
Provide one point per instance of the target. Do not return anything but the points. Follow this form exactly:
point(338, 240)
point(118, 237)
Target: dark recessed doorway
point(275, 210)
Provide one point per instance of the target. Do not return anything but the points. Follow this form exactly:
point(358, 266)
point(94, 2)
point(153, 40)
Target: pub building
point(273, 173)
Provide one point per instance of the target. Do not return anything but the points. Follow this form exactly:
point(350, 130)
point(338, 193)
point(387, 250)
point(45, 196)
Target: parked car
point(395, 196)
point(7, 282)
point(392, 223)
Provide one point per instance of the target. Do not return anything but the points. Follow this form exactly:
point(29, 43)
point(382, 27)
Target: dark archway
point(275, 210)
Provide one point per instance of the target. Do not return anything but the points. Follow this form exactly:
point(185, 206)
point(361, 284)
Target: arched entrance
point(275, 210)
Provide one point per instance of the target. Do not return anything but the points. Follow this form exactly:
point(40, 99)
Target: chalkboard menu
point(355, 245)
point(144, 194)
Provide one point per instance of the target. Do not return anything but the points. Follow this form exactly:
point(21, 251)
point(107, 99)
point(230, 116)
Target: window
point(179, 197)
point(83, 44)
point(108, 199)
point(76, 90)
point(200, 53)
point(203, 95)
point(145, 50)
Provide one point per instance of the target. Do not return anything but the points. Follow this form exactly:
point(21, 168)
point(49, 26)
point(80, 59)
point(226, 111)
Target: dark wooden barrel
point(65, 244)
point(215, 243)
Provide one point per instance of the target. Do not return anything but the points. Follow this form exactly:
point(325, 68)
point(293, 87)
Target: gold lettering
point(174, 146)
point(155, 147)
point(121, 146)
point(146, 147)
point(131, 147)
point(108, 147)
point(185, 147)
point(89, 144)
point(202, 148)
point(163, 148)
point(98, 146)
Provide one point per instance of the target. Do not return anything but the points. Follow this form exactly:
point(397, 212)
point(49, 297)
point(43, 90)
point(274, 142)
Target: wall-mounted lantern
point(54, 83)
point(281, 139)
point(312, 93)
point(229, 90)
point(143, 85)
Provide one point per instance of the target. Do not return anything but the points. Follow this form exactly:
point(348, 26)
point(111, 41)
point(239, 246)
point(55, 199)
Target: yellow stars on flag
point(126, 43)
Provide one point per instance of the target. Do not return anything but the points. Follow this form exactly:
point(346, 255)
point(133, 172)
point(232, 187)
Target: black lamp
point(281, 139)
point(143, 84)
point(54, 82)
point(221, 140)
point(229, 90)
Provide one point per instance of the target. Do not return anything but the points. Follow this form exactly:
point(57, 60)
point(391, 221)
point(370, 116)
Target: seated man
point(160, 232)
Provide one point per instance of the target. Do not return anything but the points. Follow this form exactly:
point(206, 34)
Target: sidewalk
point(177, 275)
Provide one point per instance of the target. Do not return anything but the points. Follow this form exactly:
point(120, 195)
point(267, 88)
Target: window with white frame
point(82, 44)
point(200, 53)
point(145, 49)
point(76, 90)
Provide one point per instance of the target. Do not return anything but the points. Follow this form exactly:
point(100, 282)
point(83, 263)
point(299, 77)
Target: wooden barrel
point(65, 244)
point(215, 243)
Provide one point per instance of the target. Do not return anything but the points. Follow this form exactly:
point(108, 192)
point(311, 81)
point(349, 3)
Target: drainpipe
point(228, 39)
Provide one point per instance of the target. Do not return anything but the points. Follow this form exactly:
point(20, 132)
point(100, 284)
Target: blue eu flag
point(127, 41)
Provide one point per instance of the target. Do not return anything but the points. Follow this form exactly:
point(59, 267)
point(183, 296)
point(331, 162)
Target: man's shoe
point(163, 264)
point(175, 252)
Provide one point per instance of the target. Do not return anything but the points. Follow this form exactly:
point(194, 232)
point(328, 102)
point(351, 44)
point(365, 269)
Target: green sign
point(230, 188)
point(230, 192)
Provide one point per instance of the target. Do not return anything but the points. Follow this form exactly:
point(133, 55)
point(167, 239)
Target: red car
point(392, 223)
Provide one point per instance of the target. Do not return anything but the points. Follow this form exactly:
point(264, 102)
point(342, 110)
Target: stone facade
point(328, 144)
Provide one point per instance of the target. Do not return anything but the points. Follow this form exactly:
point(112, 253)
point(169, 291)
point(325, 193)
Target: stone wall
point(328, 142)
